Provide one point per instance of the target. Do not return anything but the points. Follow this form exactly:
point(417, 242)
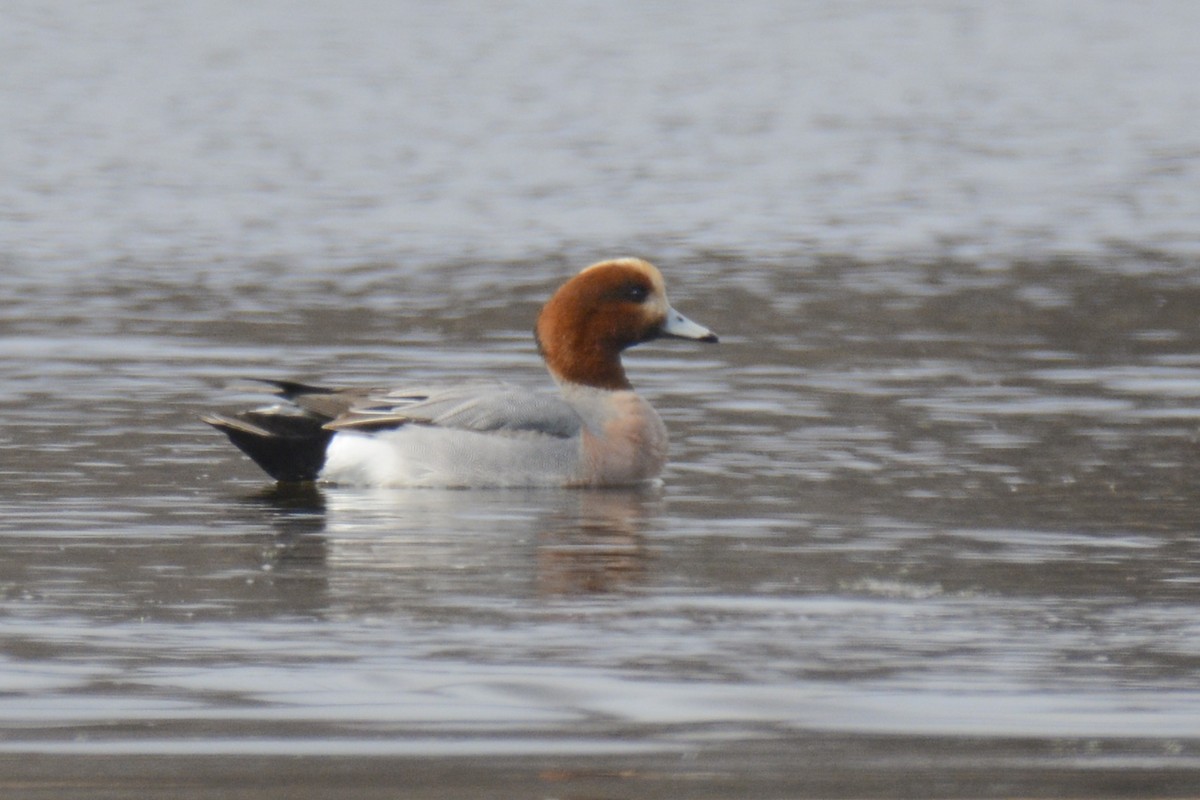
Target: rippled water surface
point(930, 524)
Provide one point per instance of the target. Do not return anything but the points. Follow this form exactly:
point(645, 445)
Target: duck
point(595, 431)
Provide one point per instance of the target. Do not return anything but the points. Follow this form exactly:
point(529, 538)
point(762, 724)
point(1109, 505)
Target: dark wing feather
point(321, 401)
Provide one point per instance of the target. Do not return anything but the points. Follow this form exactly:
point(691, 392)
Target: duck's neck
point(584, 364)
point(594, 372)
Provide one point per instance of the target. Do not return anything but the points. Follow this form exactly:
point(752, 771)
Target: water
point(929, 525)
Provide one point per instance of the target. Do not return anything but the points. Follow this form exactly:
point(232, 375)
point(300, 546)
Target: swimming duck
point(596, 431)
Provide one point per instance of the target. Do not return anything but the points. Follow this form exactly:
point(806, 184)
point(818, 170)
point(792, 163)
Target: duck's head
point(606, 308)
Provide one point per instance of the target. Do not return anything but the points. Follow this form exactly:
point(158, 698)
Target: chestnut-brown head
point(606, 308)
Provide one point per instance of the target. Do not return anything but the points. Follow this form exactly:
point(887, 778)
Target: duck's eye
point(636, 292)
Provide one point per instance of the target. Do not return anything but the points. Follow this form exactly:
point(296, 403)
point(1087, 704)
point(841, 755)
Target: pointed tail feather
point(289, 447)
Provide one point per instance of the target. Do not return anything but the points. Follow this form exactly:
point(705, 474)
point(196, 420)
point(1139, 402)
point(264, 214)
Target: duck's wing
point(483, 406)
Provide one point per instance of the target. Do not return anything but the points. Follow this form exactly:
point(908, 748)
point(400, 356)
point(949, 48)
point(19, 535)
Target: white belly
point(420, 455)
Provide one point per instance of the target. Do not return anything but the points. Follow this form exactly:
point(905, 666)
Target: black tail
point(288, 446)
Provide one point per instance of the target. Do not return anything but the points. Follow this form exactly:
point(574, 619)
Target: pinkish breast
point(628, 446)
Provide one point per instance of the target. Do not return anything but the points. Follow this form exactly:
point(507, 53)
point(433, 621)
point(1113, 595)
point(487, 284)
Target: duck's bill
point(680, 327)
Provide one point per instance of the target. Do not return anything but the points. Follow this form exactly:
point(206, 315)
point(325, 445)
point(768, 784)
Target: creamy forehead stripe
point(639, 264)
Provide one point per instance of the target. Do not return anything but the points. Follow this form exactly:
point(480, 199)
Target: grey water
point(929, 527)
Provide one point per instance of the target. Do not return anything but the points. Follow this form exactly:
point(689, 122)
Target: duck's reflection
point(599, 549)
point(298, 516)
point(397, 543)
